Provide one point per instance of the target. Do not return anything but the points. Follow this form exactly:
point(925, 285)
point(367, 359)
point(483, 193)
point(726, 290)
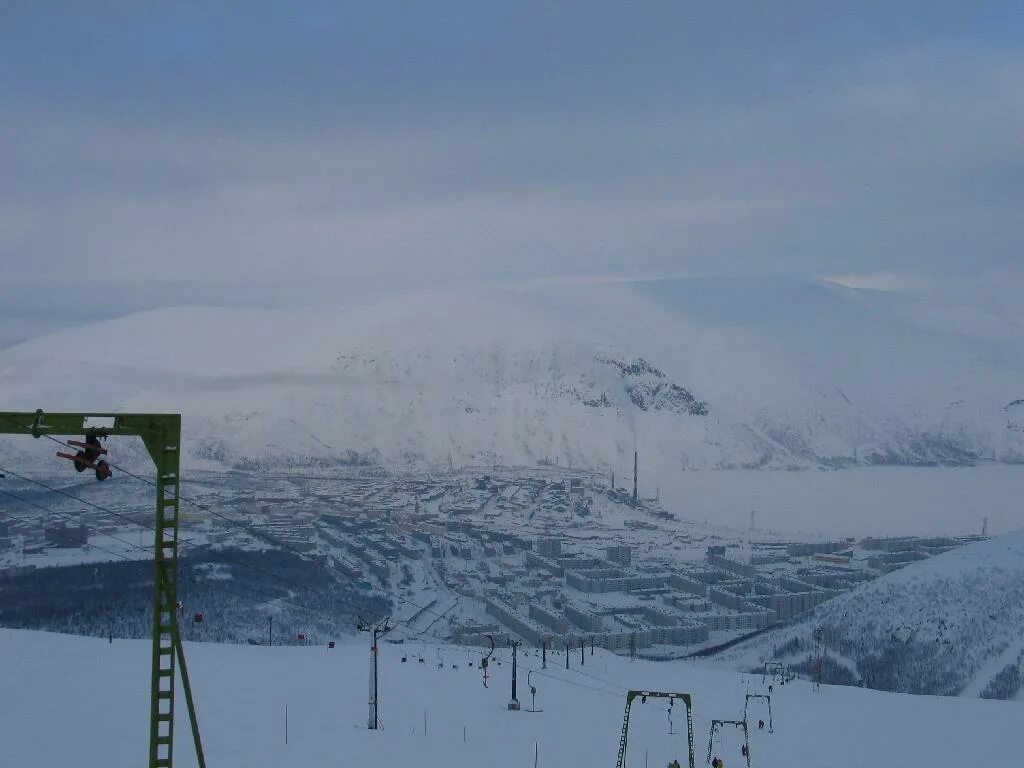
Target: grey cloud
point(834, 156)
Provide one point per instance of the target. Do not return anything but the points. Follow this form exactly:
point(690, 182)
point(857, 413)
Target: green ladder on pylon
point(622, 739)
point(165, 600)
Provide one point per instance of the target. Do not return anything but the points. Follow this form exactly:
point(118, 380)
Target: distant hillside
point(951, 625)
point(700, 374)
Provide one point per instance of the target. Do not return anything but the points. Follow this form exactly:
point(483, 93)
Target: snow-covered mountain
point(950, 625)
point(699, 373)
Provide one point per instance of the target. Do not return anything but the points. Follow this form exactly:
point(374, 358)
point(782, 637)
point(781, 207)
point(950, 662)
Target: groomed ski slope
point(82, 701)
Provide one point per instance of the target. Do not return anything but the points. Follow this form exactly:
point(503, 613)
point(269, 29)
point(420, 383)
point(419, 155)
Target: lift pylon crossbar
point(161, 434)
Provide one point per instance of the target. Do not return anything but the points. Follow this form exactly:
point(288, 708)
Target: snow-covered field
point(81, 701)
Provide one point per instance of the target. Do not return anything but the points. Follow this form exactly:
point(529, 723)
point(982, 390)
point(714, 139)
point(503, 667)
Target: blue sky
point(272, 154)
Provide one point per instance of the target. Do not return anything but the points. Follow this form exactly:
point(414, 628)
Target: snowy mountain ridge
point(699, 374)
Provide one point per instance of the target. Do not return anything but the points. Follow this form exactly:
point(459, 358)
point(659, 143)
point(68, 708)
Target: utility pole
point(567, 655)
point(591, 645)
point(270, 632)
point(544, 655)
point(514, 703)
point(583, 648)
point(377, 630)
point(819, 652)
point(632, 646)
point(636, 497)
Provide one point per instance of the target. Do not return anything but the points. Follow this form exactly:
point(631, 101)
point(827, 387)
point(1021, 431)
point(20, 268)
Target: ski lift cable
point(70, 535)
point(120, 555)
point(601, 680)
point(260, 534)
point(579, 685)
point(131, 545)
point(230, 520)
point(72, 518)
point(79, 499)
point(182, 542)
point(251, 529)
point(598, 679)
point(620, 689)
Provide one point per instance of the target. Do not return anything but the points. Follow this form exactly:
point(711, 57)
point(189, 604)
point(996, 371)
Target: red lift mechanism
point(89, 455)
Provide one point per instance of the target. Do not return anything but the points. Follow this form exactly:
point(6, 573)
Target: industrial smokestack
point(635, 499)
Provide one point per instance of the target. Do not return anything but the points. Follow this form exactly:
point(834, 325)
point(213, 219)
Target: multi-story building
point(549, 547)
point(621, 554)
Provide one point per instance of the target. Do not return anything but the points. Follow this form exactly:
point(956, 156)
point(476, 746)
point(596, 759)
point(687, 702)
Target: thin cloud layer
point(231, 156)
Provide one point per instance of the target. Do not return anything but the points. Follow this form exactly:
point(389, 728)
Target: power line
point(198, 545)
point(255, 532)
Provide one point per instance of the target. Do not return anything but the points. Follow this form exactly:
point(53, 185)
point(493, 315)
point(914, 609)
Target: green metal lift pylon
point(161, 433)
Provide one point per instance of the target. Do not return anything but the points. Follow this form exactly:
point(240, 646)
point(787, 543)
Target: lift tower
point(161, 433)
point(631, 696)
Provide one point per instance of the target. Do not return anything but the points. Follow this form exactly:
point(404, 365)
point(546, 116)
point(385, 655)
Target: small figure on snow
point(760, 725)
point(743, 750)
point(674, 764)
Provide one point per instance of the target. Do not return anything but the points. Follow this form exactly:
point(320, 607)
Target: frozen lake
point(883, 501)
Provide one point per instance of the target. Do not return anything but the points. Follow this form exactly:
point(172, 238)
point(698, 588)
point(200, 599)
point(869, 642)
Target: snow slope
point(952, 624)
point(81, 701)
point(699, 373)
